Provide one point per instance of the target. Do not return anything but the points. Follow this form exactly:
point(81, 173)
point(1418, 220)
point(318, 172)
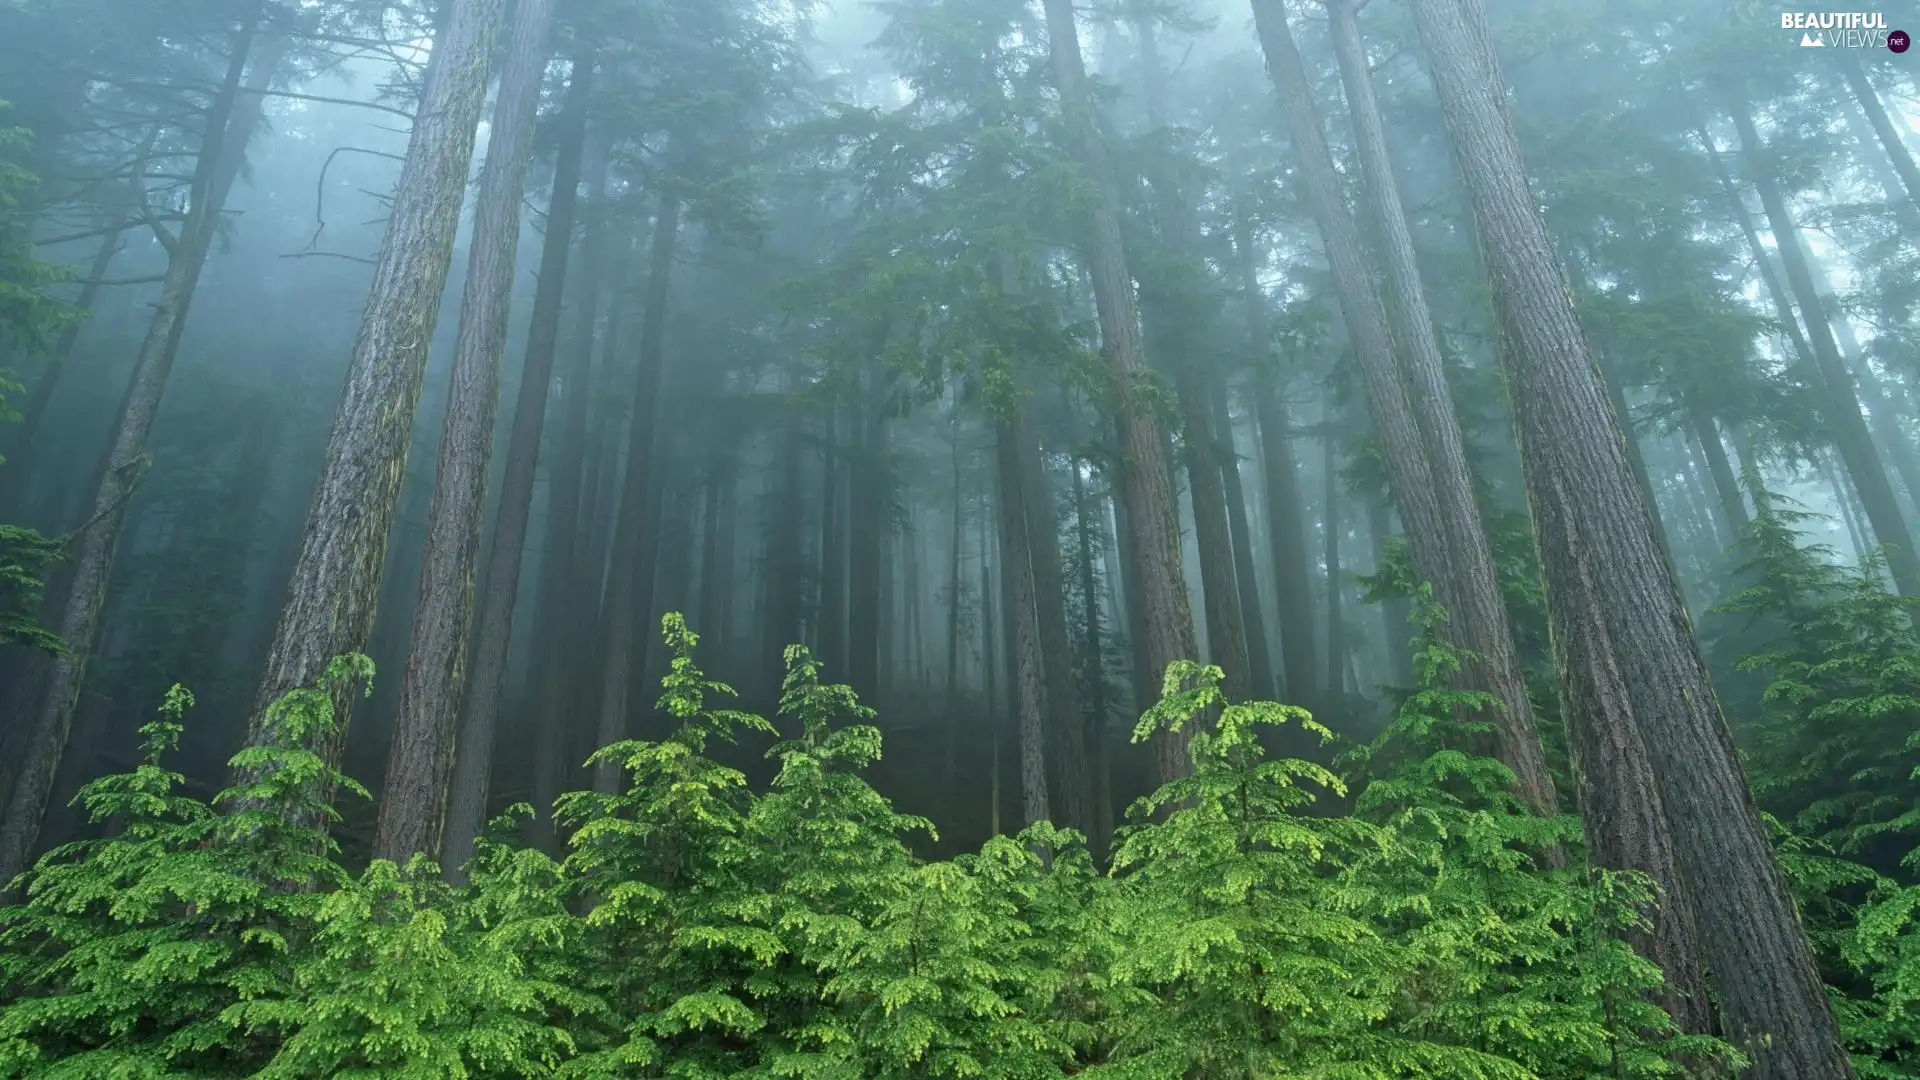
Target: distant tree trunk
point(1477, 612)
point(413, 800)
point(18, 441)
point(1167, 633)
point(56, 681)
point(1396, 613)
point(1883, 416)
point(989, 677)
point(865, 526)
point(1095, 674)
point(630, 584)
point(1259, 654)
point(1732, 508)
point(832, 619)
point(1286, 527)
point(1330, 536)
point(1631, 668)
point(1029, 681)
point(331, 600)
point(1071, 787)
point(1840, 399)
point(1890, 142)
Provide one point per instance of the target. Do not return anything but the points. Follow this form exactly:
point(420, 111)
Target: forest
point(952, 539)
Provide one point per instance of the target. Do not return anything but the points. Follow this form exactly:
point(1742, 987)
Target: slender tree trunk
point(989, 674)
point(1733, 509)
point(1840, 400)
point(1876, 113)
point(1330, 537)
point(1259, 654)
point(833, 553)
point(1072, 785)
point(865, 529)
point(1029, 681)
point(1883, 416)
point(1629, 661)
point(630, 585)
point(420, 761)
point(229, 121)
point(331, 600)
point(1396, 613)
point(1095, 674)
point(1477, 612)
point(1166, 618)
point(1286, 529)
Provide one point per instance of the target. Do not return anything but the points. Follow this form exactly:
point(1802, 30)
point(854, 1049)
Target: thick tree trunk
point(1840, 399)
point(332, 598)
point(56, 681)
point(630, 584)
point(1166, 618)
point(413, 800)
point(1029, 680)
point(1629, 661)
point(1477, 612)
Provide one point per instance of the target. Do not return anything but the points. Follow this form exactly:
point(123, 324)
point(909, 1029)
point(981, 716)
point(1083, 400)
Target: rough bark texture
point(335, 589)
point(1286, 531)
point(420, 758)
point(630, 585)
point(1477, 614)
point(1840, 399)
point(479, 721)
point(1166, 619)
point(56, 681)
point(1608, 585)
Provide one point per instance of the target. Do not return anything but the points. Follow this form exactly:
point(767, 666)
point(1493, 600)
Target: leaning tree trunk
point(1259, 656)
point(1610, 589)
point(473, 750)
point(413, 800)
point(1840, 400)
point(57, 680)
point(1477, 614)
point(333, 596)
point(1166, 618)
point(1890, 141)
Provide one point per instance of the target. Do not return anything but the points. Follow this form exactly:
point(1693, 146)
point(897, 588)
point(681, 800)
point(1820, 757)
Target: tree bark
point(420, 760)
point(479, 721)
point(1166, 619)
point(1029, 680)
point(1840, 397)
point(1330, 552)
point(1095, 674)
point(630, 584)
point(1610, 589)
point(57, 680)
point(334, 592)
point(1477, 612)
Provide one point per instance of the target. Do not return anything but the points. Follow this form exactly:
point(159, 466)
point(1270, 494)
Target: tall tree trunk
point(1890, 142)
point(1094, 672)
point(1072, 787)
point(413, 800)
point(1396, 613)
point(1630, 665)
point(832, 619)
point(1286, 529)
point(1166, 618)
point(1840, 400)
point(990, 677)
point(18, 441)
point(1259, 654)
point(1330, 551)
point(1477, 612)
point(58, 680)
point(1883, 416)
point(1029, 680)
point(1732, 508)
point(331, 601)
point(866, 525)
point(630, 584)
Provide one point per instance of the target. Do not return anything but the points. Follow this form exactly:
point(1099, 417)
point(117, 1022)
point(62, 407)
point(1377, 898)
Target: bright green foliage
point(701, 929)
